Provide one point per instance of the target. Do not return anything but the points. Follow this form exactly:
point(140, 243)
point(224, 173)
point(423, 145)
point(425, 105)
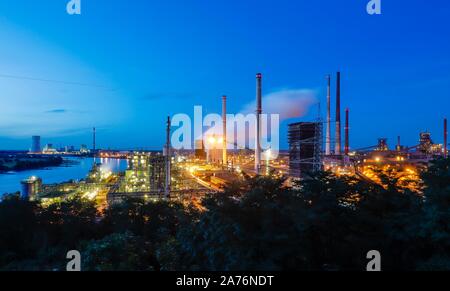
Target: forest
point(326, 223)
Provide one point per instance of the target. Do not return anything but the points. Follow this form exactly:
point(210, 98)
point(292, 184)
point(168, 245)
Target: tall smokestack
point(93, 140)
point(168, 159)
point(347, 132)
point(224, 136)
point(445, 138)
point(328, 138)
point(258, 122)
point(338, 115)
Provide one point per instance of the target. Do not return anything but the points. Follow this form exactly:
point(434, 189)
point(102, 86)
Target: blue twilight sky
point(123, 66)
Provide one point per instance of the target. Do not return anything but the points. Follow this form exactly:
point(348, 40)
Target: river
point(77, 169)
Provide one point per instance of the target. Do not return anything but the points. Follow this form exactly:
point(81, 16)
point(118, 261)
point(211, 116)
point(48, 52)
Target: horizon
point(124, 68)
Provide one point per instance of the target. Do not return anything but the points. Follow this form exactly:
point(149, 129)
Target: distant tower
point(36, 144)
point(224, 137)
point(347, 132)
point(328, 138)
point(258, 122)
point(338, 115)
point(168, 159)
point(93, 140)
point(445, 138)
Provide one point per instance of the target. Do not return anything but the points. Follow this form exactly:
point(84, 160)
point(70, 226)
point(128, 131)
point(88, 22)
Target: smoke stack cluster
point(347, 133)
point(328, 137)
point(338, 115)
point(445, 138)
point(258, 122)
point(224, 137)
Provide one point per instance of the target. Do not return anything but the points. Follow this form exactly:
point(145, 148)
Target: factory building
point(305, 148)
point(427, 146)
point(146, 173)
point(200, 152)
point(382, 145)
point(214, 151)
point(31, 188)
point(215, 156)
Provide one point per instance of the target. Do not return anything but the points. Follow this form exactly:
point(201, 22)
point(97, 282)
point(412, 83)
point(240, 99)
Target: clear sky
point(123, 66)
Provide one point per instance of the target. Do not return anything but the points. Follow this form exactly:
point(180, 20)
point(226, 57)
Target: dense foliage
point(326, 223)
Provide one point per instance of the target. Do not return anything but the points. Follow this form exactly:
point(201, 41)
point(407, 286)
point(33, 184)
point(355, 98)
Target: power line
point(16, 77)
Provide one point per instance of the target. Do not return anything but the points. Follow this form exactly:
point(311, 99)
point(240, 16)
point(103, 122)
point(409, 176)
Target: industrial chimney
point(328, 137)
point(224, 136)
point(93, 141)
point(338, 115)
point(258, 122)
point(445, 138)
point(168, 160)
point(347, 132)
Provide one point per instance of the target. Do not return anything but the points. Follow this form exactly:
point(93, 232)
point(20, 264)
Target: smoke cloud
point(287, 103)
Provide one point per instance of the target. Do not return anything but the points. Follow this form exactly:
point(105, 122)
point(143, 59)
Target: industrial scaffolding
point(305, 148)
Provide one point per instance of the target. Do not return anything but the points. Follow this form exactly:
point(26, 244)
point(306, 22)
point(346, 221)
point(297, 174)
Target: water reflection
point(76, 169)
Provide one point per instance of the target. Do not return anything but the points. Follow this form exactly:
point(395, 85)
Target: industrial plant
point(188, 175)
point(306, 143)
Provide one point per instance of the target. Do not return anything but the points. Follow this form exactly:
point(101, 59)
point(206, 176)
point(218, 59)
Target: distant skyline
point(123, 66)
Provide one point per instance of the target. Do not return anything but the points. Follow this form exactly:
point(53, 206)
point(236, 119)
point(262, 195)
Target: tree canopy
point(325, 223)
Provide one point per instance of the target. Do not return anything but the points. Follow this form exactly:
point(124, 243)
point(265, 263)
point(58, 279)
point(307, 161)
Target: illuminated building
point(382, 145)
point(31, 188)
point(426, 145)
point(84, 149)
point(49, 149)
point(214, 149)
point(146, 173)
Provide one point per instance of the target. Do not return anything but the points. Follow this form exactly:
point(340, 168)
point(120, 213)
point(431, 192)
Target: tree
point(67, 222)
point(435, 224)
point(118, 252)
point(18, 223)
point(323, 223)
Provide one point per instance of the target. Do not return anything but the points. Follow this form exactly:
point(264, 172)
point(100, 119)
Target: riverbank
point(24, 162)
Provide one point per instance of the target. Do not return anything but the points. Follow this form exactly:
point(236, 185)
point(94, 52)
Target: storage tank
point(31, 188)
